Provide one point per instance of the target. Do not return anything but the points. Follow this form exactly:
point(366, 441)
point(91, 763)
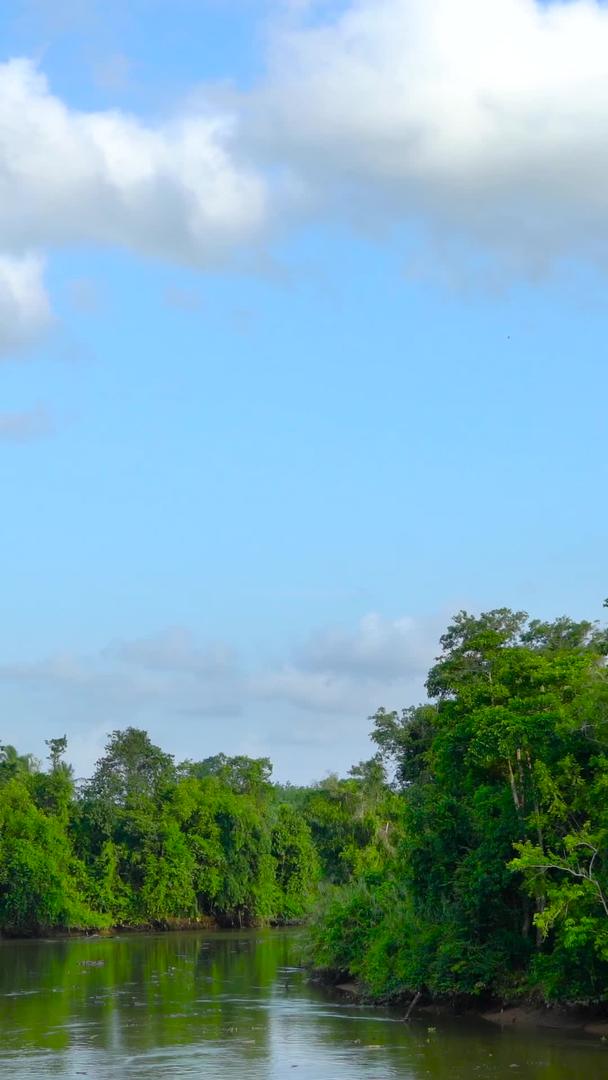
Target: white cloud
point(25, 313)
point(67, 177)
point(485, 119)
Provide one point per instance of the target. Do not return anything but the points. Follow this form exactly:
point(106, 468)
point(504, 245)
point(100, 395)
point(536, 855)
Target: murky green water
point(233, 1007)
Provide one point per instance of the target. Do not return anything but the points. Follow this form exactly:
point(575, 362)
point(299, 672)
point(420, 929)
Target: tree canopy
point(147, 843)
point(499, 882)
point(467, 856)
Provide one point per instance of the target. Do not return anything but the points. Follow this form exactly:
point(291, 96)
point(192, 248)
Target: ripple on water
point(234, 1007)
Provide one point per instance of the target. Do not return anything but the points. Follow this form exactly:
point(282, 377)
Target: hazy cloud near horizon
point(323, 692)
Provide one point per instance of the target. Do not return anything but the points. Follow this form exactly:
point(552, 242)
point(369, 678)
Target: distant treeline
point(494, 879)
point(468, 857)
point(146, 842)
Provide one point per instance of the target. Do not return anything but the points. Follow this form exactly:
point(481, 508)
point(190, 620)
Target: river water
point(235, 1006)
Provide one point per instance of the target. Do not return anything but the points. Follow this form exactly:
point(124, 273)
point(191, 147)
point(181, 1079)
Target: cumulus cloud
point(25, 426)
point(173, 190)
point(25, 312)
point(486, 121)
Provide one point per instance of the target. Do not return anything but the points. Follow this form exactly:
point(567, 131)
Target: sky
point(303, 332)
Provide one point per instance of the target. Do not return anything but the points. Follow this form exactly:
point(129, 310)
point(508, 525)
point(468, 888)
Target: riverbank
point(40, 933)
point(163, 926)
point(561, 1018)
point(584, 1019)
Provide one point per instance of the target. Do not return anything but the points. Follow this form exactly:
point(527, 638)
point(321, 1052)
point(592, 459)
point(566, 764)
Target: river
point(235, 1006)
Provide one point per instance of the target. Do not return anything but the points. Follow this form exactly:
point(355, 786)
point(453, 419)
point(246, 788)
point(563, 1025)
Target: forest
point(467, 858)
point(148, 843)
point(494, 877)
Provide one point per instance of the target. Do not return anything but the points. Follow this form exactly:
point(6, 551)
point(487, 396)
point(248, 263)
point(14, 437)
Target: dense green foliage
point(498, 882)
point(148, 843)
point(468, 857)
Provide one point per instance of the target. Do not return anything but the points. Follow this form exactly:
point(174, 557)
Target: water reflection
point(234, 1007)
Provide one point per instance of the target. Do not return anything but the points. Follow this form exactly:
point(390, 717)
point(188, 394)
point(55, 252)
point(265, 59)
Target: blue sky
point(327, 367)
